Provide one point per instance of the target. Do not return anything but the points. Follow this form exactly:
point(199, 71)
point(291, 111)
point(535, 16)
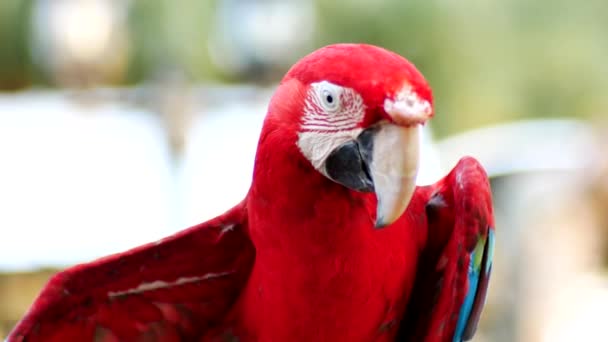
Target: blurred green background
point(490, 63)
point(493, 60)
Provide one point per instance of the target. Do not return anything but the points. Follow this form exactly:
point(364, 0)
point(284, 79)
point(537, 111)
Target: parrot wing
point(175, 289)
point(456, 261)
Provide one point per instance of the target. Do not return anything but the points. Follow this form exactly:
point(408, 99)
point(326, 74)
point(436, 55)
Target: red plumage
point(299, 259)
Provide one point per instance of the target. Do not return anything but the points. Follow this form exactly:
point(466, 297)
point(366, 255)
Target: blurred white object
point(430, 164)
point(579, 313)
point(79, 182)
point(218, 161)
point(524, 146)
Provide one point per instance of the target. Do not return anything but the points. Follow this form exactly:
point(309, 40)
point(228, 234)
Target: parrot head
point(354, 112)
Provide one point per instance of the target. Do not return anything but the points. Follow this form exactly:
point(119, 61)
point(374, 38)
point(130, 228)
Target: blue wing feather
point(467, 305)
point(478, 277)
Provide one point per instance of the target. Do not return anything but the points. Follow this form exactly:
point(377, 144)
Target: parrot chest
point(358, 295)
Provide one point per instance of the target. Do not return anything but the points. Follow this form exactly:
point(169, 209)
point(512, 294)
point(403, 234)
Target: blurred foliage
point(15, 66)
point(487, 61)
point(170, 34)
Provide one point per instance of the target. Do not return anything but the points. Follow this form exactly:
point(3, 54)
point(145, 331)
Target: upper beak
point(393, 168)
point(383, 159)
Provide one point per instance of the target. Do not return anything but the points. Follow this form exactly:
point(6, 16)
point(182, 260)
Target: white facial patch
point(331, 116)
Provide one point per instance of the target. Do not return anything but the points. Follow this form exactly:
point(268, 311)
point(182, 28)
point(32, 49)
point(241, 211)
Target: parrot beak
point(382, 159)
point(393, 169)
point(395, 157)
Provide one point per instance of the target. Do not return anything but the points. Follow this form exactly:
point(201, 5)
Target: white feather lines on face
point(330, 107)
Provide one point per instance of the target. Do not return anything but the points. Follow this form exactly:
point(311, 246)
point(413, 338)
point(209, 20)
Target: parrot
point(334, 241)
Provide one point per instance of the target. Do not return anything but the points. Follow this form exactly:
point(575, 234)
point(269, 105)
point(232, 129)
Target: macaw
point(333, 242)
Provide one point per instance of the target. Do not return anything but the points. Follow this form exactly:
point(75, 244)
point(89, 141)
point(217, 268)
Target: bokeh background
point(124, 121)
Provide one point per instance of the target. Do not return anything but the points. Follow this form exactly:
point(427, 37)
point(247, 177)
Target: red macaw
point(322, 248)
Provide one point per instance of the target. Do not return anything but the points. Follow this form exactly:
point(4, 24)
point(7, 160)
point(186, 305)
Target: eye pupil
point(329, 99)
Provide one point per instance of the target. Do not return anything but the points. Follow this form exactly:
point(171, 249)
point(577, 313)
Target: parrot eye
point(330, 96)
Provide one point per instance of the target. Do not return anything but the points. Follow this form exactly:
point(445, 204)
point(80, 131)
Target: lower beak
point(382, 159)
